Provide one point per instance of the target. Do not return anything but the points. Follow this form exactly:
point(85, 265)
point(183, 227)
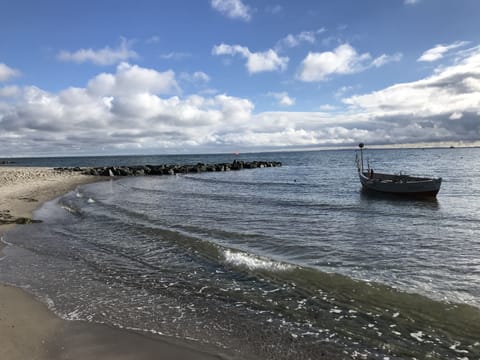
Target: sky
point(110, 77)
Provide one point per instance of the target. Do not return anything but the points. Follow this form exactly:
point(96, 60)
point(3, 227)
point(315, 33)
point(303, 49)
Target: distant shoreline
point(9, 160)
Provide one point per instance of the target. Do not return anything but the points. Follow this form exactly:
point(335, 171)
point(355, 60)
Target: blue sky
point(194, 76)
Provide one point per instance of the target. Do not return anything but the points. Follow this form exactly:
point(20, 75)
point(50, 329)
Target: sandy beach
point(29, 330)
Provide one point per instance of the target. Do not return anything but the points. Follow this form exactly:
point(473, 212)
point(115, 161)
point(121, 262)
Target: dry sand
point(28, 330)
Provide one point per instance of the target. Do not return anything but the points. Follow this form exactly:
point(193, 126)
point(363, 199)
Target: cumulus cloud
point(342, 60)
point(256, 62)
point(122, 110)
point(132, 79)
point(224, 49)
point(196, 77)
point(294, 40)
point(105, 56)
point(449, 89)
point(136, 109)
point(6, 72)
point(438, 51)
point(430, 104)
point(234, 9)
point(283, 99)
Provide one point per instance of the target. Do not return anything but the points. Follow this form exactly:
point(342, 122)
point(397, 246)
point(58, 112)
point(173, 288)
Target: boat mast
point(361, 154)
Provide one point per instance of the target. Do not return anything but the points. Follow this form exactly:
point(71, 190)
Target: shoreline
point(29, 329)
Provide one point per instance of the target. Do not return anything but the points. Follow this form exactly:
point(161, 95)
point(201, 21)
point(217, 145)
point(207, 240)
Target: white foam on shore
point(73, 315)
point(417, 336)
point(460, 351)
point(2, 240)
point(253, 262)
point(69, 209)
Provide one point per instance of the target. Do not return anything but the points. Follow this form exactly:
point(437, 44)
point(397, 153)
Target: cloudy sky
point(201, 76)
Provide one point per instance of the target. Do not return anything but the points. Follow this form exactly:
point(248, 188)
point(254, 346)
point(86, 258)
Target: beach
point(29, 330)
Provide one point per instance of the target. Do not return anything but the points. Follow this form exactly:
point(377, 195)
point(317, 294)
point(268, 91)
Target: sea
point(290, 262)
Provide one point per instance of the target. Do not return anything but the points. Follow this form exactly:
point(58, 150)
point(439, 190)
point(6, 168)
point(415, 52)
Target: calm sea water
point(277, 263)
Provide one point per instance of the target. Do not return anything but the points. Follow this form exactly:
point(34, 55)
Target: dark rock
point(237, 165)
point(142, 170)
point(23, 220)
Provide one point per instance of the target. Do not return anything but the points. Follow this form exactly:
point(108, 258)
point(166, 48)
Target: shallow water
point(274, 262)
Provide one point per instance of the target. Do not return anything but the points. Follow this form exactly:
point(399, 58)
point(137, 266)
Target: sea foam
point(254, 262)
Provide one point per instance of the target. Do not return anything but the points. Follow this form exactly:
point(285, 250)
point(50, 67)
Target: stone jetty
point(145, 170)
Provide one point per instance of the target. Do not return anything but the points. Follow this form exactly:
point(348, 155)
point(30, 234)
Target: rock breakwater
point(145, 170)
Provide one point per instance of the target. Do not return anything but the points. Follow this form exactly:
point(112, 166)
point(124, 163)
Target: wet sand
point(29, 330)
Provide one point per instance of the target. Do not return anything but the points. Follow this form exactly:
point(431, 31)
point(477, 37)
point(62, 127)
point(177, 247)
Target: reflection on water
point(367, 196)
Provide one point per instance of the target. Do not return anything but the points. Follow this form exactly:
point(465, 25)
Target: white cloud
point(122, 110)
point(201, 76)
point(256, 62)
point(283, 98)
point(198, 77)
point(327, 107)
point(234, 9)
point(343, 60)
point(427, 105)
point(448, 90)
point(9, 91)
point(385, 59)
point(411, 2)
point(292, 40)
point(136, 109)
point(286, 100)
point(437, 52)
point(266, 61)
point(343, 90)
point(456, 116)
point(6, 72)
point(175, 56)
point(131, 79)
point(105, 56)
point(224, 49)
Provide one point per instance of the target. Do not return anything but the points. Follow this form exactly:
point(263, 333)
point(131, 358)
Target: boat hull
point(402, 185)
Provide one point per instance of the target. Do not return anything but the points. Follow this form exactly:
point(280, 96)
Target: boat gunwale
point(402, 178)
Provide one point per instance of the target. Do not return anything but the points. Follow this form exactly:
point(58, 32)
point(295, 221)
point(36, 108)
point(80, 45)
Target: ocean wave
point(252, 262)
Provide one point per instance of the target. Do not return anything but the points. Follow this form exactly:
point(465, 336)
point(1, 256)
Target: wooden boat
point(404, 185)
